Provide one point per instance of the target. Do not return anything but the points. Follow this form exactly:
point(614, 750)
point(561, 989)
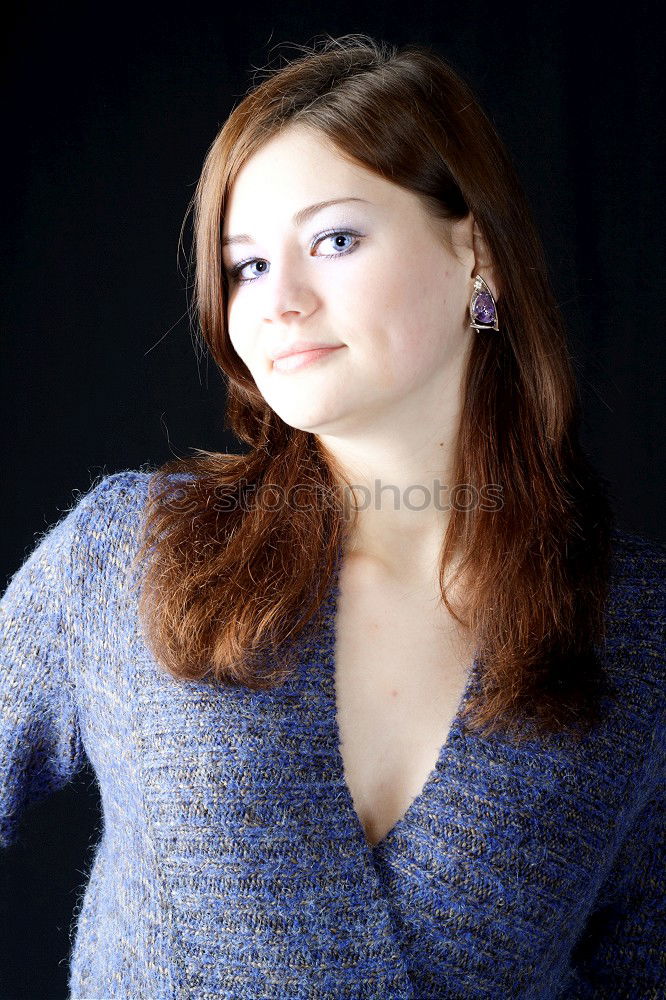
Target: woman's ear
point(483, 262)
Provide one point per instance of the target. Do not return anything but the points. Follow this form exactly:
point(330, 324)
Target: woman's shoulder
point(636, 619)
point(101, 526)
point(108, 517)
point(115, 497)
point(634, 545)
point(107, 504)
point(638, 570)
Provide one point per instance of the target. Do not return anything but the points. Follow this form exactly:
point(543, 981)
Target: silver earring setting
point(482, 306)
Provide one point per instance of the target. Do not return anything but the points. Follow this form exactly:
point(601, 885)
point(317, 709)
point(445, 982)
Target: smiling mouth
point(293, 362)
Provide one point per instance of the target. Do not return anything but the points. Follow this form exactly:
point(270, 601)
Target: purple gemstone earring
point(482, 306)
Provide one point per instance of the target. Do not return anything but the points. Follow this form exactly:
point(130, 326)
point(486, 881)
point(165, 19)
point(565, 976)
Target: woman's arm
point(40, 745)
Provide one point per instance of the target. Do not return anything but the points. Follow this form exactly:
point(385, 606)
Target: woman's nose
point(287, 289)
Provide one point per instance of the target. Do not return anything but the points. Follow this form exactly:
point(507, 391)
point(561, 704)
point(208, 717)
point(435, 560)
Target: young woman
point(376, 708)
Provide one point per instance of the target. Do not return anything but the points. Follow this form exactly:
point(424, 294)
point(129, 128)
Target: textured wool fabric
point(232, 863)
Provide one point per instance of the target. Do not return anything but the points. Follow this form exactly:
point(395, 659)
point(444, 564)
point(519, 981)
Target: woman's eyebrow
point(300, 217)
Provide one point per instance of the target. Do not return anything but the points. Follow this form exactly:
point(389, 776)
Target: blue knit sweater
point(232, 863)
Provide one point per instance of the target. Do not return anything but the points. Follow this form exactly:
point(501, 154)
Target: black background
point(110, 114)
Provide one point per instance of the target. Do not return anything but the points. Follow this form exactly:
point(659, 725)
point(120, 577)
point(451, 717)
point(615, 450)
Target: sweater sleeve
point(40, 744)
point(623, 950)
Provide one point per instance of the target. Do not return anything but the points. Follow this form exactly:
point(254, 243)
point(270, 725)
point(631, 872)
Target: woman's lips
point(294, 362)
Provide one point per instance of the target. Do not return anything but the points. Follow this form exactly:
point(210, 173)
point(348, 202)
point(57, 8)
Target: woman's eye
point(337, 238)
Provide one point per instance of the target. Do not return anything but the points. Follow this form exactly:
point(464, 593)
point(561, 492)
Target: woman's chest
point(240, 796)
point(401, 667)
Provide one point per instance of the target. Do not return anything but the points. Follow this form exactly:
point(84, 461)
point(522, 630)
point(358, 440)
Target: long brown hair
point(227, 578)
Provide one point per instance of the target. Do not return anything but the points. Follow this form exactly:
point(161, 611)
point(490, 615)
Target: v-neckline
point(420, 802)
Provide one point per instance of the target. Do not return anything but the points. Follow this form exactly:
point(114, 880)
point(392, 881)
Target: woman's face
point(369, 276)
